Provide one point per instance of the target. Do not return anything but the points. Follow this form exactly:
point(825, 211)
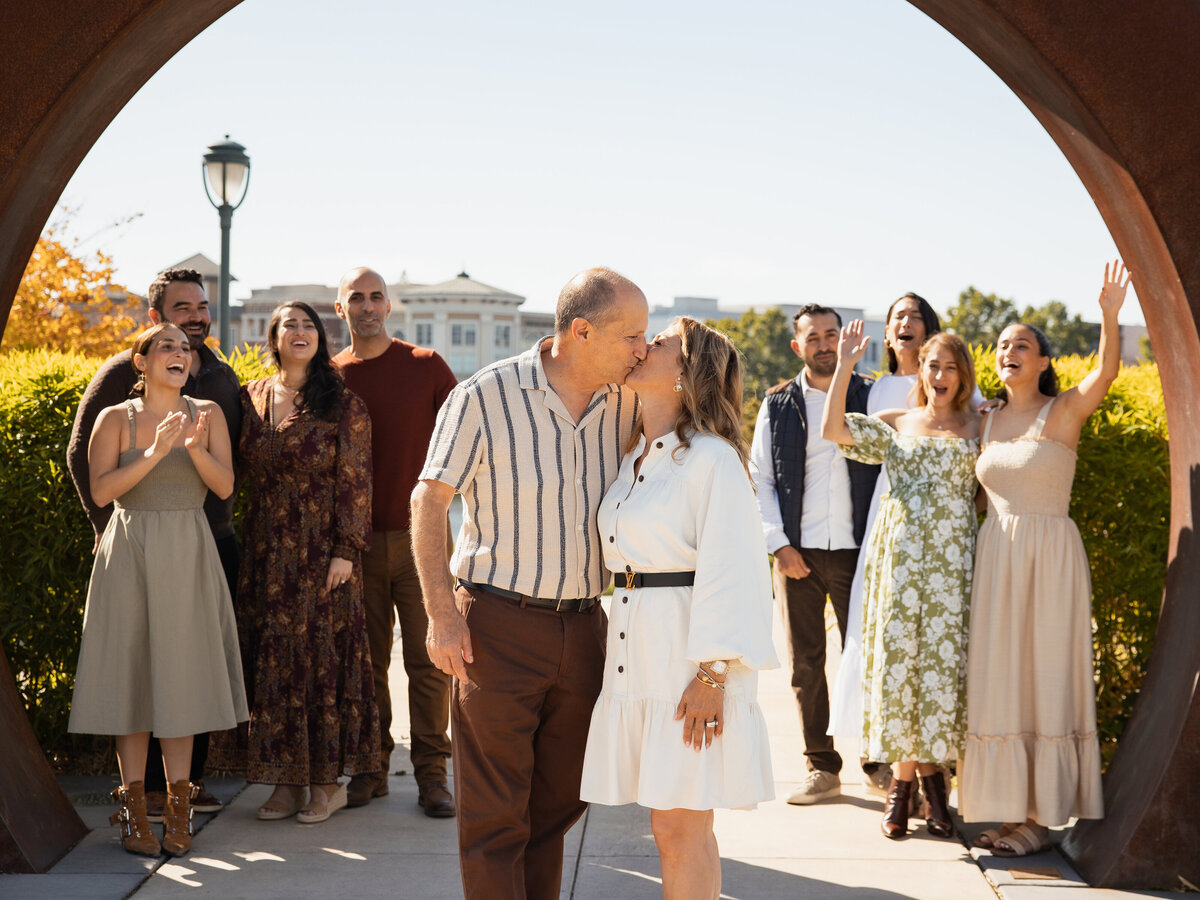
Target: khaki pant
point(520, 729)
point(391, 592)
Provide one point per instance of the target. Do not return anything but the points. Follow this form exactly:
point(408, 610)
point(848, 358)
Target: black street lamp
point(226, 178)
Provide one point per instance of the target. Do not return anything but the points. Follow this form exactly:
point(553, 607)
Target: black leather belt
point(628, 580)
point(582, 604)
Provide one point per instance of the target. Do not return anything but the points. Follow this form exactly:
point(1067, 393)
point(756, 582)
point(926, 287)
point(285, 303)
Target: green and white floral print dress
point(917, 591)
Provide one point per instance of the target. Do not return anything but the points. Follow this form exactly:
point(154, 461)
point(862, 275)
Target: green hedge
point(1121, 503)
point(46, 551)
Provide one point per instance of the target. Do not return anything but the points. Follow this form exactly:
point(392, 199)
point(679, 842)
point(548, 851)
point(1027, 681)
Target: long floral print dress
point(304, 649)
point(917, 588)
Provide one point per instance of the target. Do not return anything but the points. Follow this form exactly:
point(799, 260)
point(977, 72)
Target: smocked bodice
point(1028, 475)
point(172, 484)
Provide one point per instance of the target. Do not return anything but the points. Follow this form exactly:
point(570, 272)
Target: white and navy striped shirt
point(531, 478)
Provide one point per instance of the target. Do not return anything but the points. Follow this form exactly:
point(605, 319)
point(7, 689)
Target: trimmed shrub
point(46, 558)
point(1121, 503)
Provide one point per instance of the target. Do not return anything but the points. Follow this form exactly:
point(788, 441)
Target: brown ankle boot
point(136, 836)
point(177, 818)
point(895, 810)
point(937, 812)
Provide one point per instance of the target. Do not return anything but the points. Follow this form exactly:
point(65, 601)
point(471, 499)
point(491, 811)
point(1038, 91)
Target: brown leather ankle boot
point(937, 810)
point(895, 810)
point(136, 836)
point(177, 818)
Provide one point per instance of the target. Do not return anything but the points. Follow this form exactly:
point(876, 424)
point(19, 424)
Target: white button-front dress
point(690, 510)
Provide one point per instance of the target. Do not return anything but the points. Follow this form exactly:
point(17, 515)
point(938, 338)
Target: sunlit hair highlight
point(711, 401)
point(962, 359)
point(141, 346)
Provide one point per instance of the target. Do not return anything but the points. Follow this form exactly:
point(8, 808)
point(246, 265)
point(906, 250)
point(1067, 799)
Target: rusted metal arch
point(1115, 84)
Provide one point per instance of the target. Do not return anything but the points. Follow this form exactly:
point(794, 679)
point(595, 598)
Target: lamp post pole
point(226, 179)
point(226, 213)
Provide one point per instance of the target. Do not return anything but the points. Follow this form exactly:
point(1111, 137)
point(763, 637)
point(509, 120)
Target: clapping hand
point(198, 439)
point(1116, 281)
point(166, 434)
point(853, 343)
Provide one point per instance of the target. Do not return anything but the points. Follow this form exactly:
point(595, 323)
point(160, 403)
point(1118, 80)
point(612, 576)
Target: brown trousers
point(803, 603)
point(391, 592)
point(520, 728)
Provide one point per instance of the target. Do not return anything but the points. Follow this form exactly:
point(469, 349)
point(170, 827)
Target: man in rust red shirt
point(403, 387)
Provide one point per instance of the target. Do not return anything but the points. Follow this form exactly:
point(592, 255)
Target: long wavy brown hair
point(711, 401)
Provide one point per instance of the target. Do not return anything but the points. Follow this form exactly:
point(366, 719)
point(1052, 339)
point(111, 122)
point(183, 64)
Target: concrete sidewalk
point(390, 849)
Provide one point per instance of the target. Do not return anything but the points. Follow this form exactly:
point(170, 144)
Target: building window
point(503, 337)
point(425, 334)
point(462, 335)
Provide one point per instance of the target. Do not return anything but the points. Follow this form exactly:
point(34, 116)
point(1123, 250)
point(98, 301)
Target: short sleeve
point(871, 439)
point(457, 443)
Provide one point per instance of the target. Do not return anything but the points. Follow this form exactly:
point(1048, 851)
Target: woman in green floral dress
point(917, 585)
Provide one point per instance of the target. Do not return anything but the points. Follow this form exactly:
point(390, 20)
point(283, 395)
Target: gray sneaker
point(878, 780)
point(817, 786)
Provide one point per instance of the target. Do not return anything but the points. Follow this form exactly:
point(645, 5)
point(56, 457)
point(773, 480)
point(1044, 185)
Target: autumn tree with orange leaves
point(67, 301)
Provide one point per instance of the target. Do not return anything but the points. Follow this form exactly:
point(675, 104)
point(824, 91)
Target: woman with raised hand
point(159, 651)
point(920, 558)
point(910, 320)
point(677, 727)
point(1032, 755)
point(306, 454)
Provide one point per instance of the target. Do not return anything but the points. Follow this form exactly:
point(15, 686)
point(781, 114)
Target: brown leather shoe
point(203, 801)
point(136, 836)
point(363, 787)
point(936, 810)
point(437, 802)
point(177, 818)
point(895, 810)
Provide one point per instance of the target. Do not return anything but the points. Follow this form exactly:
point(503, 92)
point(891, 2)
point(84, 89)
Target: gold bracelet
point(703, 678)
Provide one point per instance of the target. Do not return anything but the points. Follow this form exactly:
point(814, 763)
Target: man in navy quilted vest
point(813, 503)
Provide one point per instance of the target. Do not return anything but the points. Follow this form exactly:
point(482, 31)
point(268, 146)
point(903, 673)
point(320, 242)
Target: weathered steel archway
point(1116, 85)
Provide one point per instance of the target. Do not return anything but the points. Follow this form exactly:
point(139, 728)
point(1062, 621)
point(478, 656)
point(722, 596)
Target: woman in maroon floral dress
point(306, 455)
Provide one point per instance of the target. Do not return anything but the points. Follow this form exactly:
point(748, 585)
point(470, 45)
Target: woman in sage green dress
point(920, 558)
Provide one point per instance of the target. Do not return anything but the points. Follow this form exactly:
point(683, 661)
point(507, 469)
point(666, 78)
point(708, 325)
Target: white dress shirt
point(827, 521)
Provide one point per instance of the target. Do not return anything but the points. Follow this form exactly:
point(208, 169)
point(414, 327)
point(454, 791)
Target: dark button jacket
point(789, 448)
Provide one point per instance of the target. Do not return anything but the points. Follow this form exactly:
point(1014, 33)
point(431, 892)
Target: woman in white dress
point(677, 727)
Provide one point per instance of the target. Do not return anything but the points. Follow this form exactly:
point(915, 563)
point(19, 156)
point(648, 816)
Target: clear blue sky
point(758, 152)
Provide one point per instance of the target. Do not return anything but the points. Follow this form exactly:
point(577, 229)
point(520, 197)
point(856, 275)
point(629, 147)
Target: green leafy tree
point(979, 318)
point(1068, 335)
point(1146, 352)
point(764, 340)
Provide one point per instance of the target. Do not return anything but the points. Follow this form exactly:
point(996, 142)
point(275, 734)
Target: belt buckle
point(628, 580)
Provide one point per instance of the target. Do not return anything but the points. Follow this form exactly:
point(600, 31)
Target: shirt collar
point(805, 387)
point(531, 373)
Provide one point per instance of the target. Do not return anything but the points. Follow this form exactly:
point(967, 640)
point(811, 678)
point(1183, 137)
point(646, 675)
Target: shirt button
point(611, 538)
point(624, 599)
point(641, 478)
point(622, 635)
point(659, 445)
point(620, 668)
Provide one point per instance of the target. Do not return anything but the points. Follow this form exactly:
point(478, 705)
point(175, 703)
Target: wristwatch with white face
point(717, 666)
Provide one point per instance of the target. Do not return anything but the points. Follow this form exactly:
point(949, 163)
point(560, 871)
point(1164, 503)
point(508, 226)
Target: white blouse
point(691, 510)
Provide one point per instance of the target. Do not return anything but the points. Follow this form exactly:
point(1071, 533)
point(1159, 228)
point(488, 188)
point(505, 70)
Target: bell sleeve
point(352, 488)
point(871, 436)
point(731, 600)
